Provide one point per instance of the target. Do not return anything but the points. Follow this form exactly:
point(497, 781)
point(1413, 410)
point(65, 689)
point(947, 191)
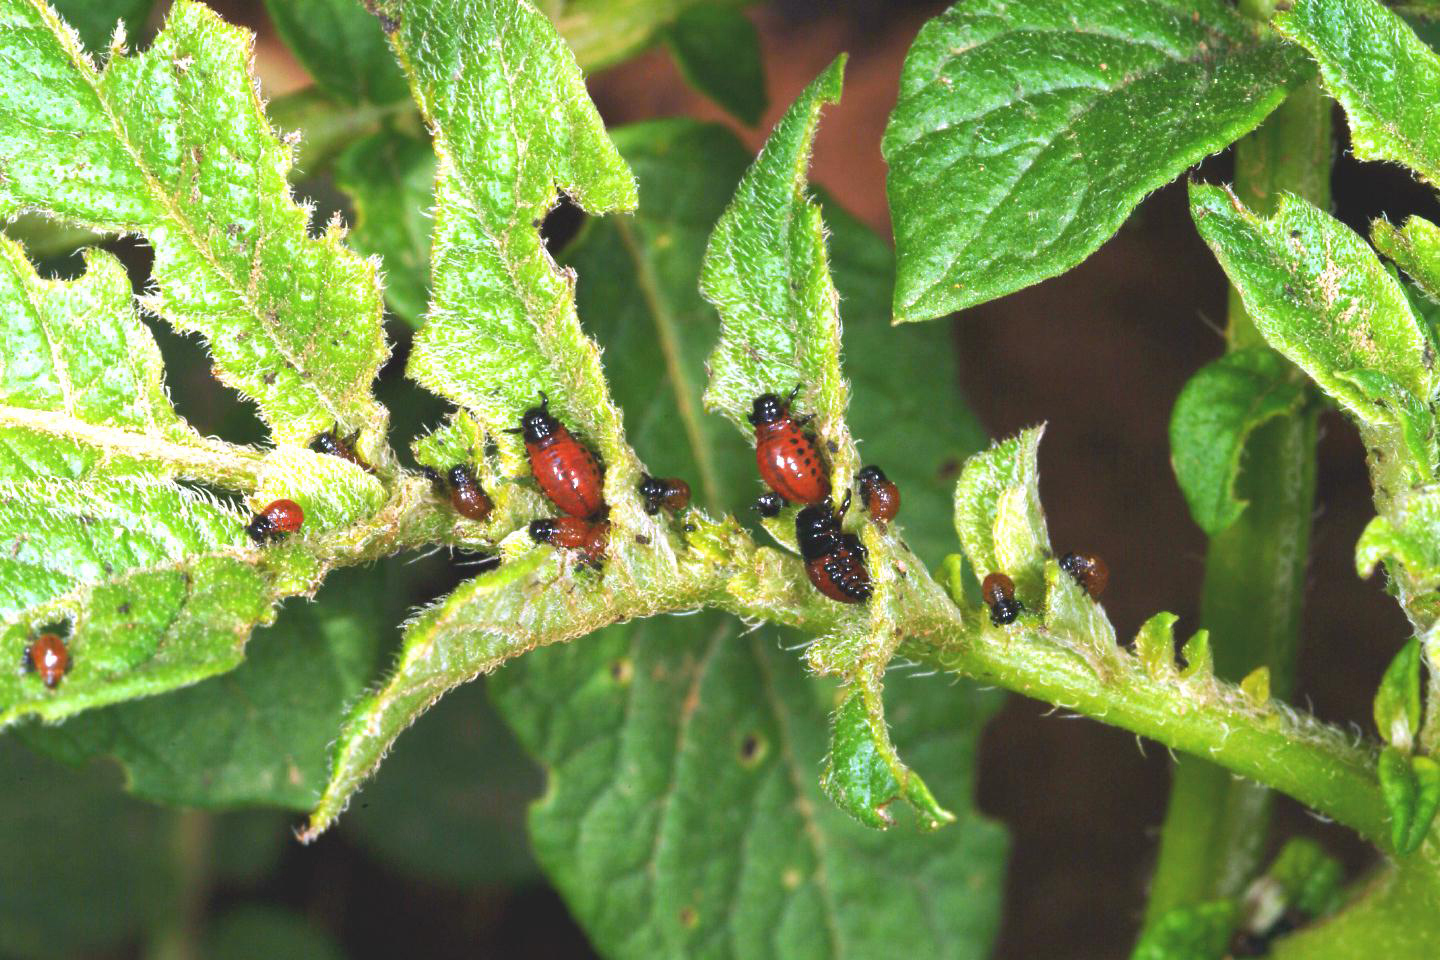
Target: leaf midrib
point(686, 397)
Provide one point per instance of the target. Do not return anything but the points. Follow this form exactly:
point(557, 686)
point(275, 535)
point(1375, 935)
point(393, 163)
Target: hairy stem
point(1254, 570)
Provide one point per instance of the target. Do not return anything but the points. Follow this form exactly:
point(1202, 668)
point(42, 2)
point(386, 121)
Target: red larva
point(572, 533)
point(49, 657)
point(565, 468)
point(789, 462)
point(834, 561)
point(880, 496)
point(279, 519)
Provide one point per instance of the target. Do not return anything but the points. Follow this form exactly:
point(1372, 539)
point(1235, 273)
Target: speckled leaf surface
point(260, 734)
point(998, 514)
point(81, 382)
point(512, 123)
point(172, 144)
point(767, 273)
point(1025, 133)
point(1320, 296)
point(155, 586)
point(1384, 75)
point(684, 817)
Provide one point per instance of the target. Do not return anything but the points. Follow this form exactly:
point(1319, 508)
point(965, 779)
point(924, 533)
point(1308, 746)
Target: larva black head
point(460, 476)
point(870, 475)
point(542, 531)
point(536, 424)
point(652, 491)
point(768, 408)
point(769, 504)
point(817, 530)
point(327, 443)
point(261, 528)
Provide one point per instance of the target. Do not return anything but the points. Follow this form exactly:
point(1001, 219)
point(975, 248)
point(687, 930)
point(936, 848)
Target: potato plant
point(727, 772)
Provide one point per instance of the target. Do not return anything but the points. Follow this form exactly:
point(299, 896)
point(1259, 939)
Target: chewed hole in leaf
point(753, 748)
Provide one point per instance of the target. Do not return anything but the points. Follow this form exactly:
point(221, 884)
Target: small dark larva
point(279, 519)
point(999, 592)
point(49, 657)
point(466, 495)
point(880, 496)
point(1088, 570)
point(331, 443)
point(769, 504)
point(672, 493)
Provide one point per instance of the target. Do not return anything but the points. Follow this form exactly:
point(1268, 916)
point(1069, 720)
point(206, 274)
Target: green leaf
point(81, 383)
point(683, 815)
point(70, 840)
point(718, 52)
point(450, 805)
point(1214, 415)
point(766, 272)
point(1415, 248)
point(1397, 701)
point(1193, 932)
point(502, 325)
point(998, 514)
point(1155, 645)
point(1411, 787)
point(1025, 134)
point(172, 144)
point(95, 20)
point(640, 297)
point(1380, 71)
point(1320, 296)
point(390, 178)
point(485, 622)
point(641, 301)
point(154, 585)
point(259, 735)
point(863, 773)
point(342, 47)
point(602, 33)
point(246, 932)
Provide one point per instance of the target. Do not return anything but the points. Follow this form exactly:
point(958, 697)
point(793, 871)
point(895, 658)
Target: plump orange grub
point(49, 657)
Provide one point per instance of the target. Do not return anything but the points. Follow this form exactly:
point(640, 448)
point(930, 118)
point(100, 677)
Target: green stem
point(176, 935)
point(1215, 827)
